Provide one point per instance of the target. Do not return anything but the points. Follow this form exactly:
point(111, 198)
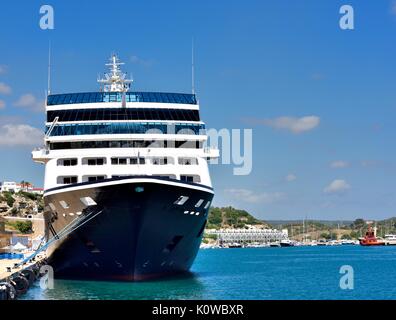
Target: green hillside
point(229, 217)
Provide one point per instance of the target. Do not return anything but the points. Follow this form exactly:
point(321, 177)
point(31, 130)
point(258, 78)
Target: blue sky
point(265, 65)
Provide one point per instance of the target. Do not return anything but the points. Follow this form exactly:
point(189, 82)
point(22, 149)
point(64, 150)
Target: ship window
point(124, 114)
point(190, 178)
point(67, 162)
point(198, 204)
point(181, 200)
point(170, 176)
point(67, 180)
point(119, 161)
point(88, 201)
point(93, 178)
point(207, 205)
point(133, 160)
point(188, 161)
point(64, 204)
point(161, 160)
point(94, 161)
point(127, 144)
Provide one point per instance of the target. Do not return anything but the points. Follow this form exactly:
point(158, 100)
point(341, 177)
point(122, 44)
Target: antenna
point(192, 67)
point(49, 69)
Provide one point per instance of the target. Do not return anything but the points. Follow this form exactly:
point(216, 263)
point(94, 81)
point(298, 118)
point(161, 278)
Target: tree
point(359, 223)
point(354, 235)
point(24, 226)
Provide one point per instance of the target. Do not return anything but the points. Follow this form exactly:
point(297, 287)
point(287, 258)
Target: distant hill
point(331, 223)
point(229, 217)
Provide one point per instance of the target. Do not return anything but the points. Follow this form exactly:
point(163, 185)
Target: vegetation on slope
point(229, 217)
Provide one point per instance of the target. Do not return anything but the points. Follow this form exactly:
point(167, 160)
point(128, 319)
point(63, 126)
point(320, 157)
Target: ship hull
point(133, 231)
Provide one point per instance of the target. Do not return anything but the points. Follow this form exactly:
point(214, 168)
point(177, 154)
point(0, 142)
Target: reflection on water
point(185, 286)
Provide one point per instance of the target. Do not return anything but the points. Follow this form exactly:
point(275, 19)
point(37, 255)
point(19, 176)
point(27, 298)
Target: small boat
point(275, 244)
point(321, 242)
point(390, 239)
point(370, 239)
point(235, 245)
point(287, 243)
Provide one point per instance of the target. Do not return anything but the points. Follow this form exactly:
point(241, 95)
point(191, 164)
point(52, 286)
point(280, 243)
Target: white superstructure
point(115, 133)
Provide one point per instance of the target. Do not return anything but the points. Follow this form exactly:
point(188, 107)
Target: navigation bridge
point(253, 235)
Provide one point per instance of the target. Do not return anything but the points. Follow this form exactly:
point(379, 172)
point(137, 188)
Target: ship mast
point(115, 80)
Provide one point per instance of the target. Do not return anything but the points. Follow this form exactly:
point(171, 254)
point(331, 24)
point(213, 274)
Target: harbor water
point(255, 273)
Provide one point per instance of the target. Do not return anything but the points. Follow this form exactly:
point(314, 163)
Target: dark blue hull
point(137, 231)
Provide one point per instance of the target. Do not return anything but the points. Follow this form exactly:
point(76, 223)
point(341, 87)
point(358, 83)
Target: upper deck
point(98, 97)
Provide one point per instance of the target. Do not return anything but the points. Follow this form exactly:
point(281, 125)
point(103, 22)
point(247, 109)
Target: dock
point(12, 282)
point(5, 263)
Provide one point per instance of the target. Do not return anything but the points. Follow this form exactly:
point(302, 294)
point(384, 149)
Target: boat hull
point(134, 231)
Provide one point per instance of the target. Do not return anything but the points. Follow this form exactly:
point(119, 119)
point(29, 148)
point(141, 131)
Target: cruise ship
point(127, 188)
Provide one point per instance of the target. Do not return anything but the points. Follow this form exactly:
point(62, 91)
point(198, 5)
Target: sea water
point(255, 273)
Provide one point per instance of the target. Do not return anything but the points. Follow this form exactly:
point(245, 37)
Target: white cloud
point(339, 164)
point(290, 177)
point(338, 186)
point(295, 125)
point(20, 134)
point(3, 69)
point(4, 88)
point(254, 197)
point(29, 101)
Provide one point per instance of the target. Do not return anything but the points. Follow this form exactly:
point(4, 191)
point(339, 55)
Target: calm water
point(256, 273)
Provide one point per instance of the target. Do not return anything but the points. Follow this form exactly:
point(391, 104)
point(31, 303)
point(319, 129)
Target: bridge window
point(125, 144)
point(124, 114)
point(91, 97)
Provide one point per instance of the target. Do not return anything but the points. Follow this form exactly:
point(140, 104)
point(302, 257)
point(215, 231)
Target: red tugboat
point(370, 239)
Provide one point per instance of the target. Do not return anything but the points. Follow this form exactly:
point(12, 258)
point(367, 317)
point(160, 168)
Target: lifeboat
point(370, 239)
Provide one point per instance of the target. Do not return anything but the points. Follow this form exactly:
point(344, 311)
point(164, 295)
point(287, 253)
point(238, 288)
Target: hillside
point(20, 204)
point(229, 217)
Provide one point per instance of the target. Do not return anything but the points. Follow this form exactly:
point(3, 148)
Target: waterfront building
point(252, 235)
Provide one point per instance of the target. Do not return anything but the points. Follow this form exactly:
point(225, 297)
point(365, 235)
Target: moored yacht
point(127, 185)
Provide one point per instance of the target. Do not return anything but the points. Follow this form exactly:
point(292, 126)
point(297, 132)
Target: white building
point(249, 235)
point(10, 186)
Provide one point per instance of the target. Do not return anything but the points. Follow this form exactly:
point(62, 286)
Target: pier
point(17, 275)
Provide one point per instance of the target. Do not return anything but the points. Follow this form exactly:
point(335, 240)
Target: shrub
point(23, 226)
